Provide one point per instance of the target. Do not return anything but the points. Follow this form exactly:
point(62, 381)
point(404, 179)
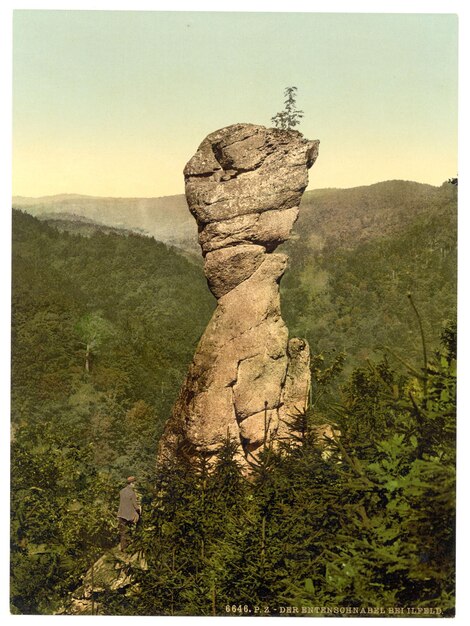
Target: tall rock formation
point(247, 379)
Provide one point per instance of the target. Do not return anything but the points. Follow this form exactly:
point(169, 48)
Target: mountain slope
point(345, 218)
point(79, 225)
point(357, 255)
point(340, 217)
point(106, 314)
point(104, 327)
point(167, 219)
point(354, 255)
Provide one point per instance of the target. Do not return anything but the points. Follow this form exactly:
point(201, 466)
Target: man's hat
point(131, 479)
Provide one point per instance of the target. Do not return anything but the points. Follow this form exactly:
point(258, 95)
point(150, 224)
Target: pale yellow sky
point(115, 103)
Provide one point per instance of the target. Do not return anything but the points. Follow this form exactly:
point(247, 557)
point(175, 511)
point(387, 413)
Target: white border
point(332, 6)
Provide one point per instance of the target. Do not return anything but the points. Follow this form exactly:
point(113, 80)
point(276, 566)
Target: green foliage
point(290, 117)
point(396, 545)
point(62, 513)
point(371, 524)
point(359, 252)
point(103, 329)
point(99, 324)
point(366, 518)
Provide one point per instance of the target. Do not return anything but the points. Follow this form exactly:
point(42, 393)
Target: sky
point(114, 103)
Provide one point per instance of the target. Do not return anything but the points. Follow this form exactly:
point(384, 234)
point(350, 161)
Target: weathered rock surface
point(243, 186)
point(107, 574)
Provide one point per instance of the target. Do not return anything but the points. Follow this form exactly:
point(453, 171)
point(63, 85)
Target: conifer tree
point(290, 116)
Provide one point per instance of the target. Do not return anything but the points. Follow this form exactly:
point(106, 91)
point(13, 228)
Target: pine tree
point(290, 117)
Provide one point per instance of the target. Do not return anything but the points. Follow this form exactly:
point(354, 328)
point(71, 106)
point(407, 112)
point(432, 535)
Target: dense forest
point(358, 254)
point(103, 329)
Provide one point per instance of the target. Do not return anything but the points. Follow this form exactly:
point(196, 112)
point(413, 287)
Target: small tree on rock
point(290, 116)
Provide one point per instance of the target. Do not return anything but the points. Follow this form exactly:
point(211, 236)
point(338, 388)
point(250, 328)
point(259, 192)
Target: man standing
point(128, 512)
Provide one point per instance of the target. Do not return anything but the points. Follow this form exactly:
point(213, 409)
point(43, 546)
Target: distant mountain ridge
point(339, 217)
point(347, 217)
point(79, 225)
point(167, 219)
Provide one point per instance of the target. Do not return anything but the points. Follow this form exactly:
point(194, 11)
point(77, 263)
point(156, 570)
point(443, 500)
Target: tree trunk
point(214, 605)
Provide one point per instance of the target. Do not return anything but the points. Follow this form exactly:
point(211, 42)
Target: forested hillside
point(101, 320)
point(358, 254)
point(104, 325)
point(355, 254)
point(167, 219)
point(103, 330)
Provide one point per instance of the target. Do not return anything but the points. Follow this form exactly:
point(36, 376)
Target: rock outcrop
point(109, 573)
point(247, 379)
